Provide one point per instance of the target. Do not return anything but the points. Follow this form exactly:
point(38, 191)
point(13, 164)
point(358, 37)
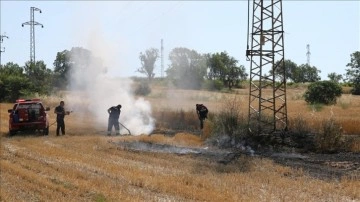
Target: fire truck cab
point(30, 115)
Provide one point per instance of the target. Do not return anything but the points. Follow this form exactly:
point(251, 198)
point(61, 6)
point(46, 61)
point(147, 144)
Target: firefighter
point(202, 112)
point(60, 115)
point(114, 114)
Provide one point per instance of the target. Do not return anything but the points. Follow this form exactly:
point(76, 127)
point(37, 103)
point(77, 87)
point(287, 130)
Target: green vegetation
point(16, 81)
point(188, 69)
point(324, 92)
point(296, 73)
point(231, 120)
point(329, 139)
point(353, 73)
point(223, 67)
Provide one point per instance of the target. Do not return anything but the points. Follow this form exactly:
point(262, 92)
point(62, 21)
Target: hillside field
point(87, 165)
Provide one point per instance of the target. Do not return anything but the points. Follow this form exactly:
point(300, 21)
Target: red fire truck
point(29, 115)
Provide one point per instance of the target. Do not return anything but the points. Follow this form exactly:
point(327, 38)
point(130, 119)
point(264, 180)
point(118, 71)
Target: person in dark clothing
point(114, 114)
point(202, 112)
point(60, 114)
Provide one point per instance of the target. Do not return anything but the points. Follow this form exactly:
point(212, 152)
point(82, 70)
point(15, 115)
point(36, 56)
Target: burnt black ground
point(320, 166)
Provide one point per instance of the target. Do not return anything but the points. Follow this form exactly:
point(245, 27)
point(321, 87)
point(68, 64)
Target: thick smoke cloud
point(101, 90)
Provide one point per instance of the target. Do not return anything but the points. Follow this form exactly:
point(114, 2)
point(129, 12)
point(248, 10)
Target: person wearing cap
point(202, 112)
point(114, 114)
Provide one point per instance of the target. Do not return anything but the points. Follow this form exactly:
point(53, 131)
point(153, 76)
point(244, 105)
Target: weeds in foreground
point(230, 121)
point(299, 125)
point(316, 107)
point(329, 138)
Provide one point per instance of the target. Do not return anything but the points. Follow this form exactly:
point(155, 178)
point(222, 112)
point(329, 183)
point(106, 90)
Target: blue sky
point(119, 30)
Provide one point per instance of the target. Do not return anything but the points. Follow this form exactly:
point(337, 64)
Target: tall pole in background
point(308, 54)
point(267, 96)
point(32, 24)
point(2, 49)
point(162, 58)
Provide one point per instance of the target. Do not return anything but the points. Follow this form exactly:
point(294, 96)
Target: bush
point(230, 121)
point(329, 139)
point(316, 107)
point(213, 85)
point(356, 87)
point(324, 92)
point(299, 125)
point(143, 88)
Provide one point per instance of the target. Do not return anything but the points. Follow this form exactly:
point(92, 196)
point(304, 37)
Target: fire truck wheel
point(12, 132)
point(46, 131)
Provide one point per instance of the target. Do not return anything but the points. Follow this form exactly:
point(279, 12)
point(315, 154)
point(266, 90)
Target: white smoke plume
point(101, 90)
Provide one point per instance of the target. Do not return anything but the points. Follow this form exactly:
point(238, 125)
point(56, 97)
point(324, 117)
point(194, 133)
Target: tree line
point(188, 69)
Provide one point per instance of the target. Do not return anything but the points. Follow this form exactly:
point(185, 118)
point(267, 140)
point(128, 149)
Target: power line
point(32, 24)
point(267, 112)
point(1, 41)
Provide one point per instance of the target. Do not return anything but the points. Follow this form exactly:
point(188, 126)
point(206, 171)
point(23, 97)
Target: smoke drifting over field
point(100, 90)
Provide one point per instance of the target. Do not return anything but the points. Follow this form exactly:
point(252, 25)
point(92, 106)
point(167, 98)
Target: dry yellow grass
point(180, 139)
point(346, 111)
point(85, 165)
point(92, 168)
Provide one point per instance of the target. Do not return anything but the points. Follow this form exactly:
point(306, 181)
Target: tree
point(353, 73)
point(62, 65)
point(13, 82)
point(148, 60)
point(290, 68)
point(306, 73)
point(70, 66)
point(324, 92)
point(335, 77)
point(223, 67)
point(39, 76)
point(187, 69)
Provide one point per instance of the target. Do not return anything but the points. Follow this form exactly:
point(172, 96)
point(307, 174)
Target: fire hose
point(67, 113)
point(125, 128)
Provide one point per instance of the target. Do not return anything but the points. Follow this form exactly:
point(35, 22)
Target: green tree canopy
point(324, 92)
point(13, 82)
point(148, 60)
point(224, 67)
point(62, 65)
point(297, 73)
point(39, 76)
point(187, 69)
point(353, 73)
point(290, 68)
point(306, 73)
point(335, 77)
point(69, 65)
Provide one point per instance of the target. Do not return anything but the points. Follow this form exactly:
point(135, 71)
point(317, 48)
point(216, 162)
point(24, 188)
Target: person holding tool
point(114, 115)
point(60, 115)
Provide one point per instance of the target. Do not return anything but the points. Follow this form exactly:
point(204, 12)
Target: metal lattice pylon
point(32, 24)
point(267, 97)
point(2, 49)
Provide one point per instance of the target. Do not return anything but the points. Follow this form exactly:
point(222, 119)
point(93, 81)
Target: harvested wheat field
point(96, 168)
point(86, 165)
